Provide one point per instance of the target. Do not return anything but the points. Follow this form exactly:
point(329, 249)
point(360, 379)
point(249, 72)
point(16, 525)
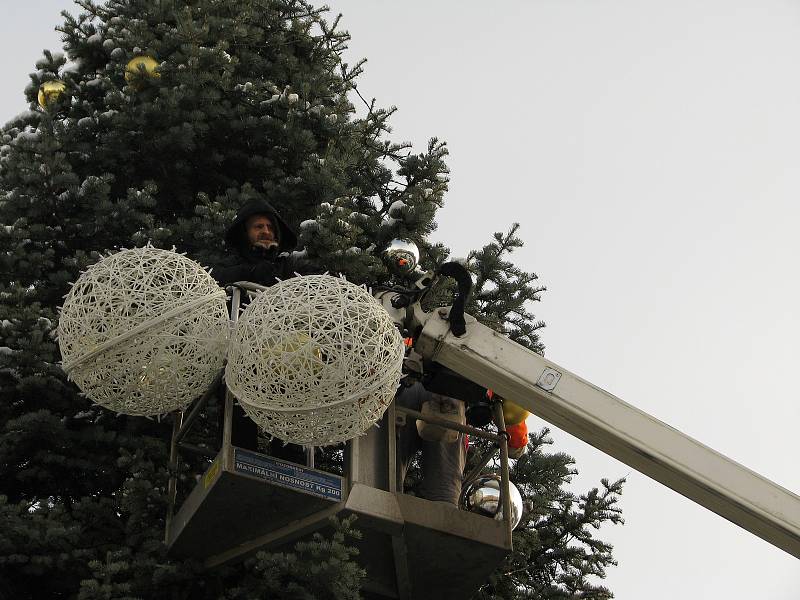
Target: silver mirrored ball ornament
point(482, 496)
point(402, 256)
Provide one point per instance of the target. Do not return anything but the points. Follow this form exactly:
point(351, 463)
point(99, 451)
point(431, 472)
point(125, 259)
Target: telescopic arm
point(613, 426)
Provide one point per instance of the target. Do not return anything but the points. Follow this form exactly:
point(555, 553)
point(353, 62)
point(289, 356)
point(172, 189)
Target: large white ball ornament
point(144, 331)
point(315, 360)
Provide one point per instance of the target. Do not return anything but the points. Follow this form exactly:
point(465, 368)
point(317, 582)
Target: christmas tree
point(157, 123)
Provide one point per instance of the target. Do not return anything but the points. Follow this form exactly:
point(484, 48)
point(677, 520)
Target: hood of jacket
point(236, 236)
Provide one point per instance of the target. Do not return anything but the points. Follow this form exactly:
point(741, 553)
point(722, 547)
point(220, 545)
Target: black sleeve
point(263, 272)
point(412, 397)
point(295, 265)
point(227, 274)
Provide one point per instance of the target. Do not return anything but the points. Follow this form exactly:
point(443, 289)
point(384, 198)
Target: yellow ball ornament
point(513, 414)
point(133, 71)
point(296, 353)
point(50, 92)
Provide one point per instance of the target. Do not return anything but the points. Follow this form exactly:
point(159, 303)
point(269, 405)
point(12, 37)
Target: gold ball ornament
point(133, 70)
point(50, 92)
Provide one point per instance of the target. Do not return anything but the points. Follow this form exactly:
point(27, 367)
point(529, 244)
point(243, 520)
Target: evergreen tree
point(225, 101)
point(555, 554)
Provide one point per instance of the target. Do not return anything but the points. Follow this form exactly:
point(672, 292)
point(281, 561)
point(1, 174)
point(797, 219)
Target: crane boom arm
point(615, 427)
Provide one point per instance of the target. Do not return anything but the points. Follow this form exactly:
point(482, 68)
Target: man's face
point(261, 232)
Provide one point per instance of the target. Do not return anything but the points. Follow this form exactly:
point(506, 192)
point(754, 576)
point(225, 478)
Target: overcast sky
point(651, 152)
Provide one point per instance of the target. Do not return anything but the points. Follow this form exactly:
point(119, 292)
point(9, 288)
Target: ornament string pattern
point(315, 360)
point(143, 327)
point(144, 331)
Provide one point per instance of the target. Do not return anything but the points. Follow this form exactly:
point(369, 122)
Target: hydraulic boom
point(613, 426)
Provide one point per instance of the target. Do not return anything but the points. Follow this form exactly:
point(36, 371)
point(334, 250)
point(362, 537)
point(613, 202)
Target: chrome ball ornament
point(482, 496)
point(401, 256)
point(315, 360)
point(144, 331)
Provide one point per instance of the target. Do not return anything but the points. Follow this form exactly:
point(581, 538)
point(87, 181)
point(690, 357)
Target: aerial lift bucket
point(246, 501)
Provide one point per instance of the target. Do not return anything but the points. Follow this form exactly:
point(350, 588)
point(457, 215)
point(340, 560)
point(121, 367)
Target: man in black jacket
point(259, 241)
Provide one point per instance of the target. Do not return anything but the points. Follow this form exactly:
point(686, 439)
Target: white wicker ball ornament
point(144, 331)
point(315, 360)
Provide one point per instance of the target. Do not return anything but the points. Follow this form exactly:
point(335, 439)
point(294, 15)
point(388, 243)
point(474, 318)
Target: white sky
point(651, 151)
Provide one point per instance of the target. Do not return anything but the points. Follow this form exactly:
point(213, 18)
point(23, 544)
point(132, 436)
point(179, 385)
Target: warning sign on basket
point(311, 481)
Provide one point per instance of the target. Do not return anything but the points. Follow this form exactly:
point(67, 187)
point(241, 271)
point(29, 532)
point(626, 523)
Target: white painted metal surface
point(617, 428)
